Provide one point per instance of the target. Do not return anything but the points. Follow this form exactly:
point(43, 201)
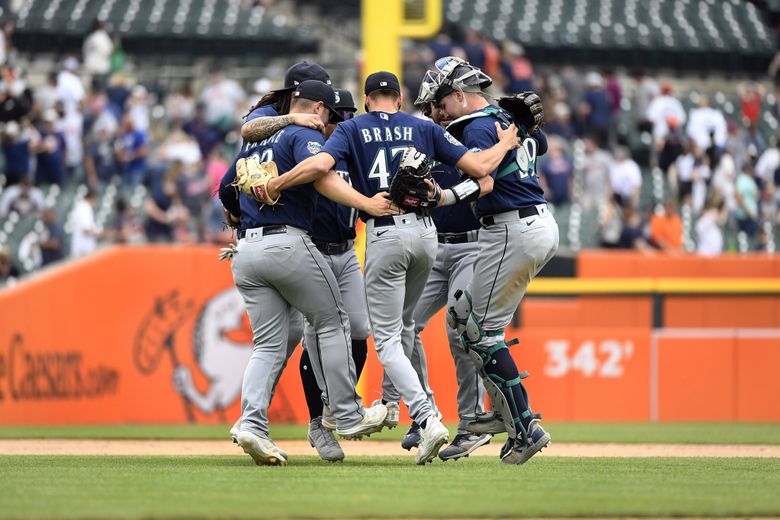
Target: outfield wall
point(102, 340)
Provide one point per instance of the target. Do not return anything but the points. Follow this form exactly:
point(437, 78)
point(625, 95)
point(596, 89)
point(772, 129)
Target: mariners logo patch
point(448, 136)
point(313, 147)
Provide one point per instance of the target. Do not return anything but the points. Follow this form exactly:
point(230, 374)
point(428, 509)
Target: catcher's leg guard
point(461, 318)
point(503, 384)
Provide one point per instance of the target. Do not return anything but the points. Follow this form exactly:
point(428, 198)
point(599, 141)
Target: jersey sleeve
point(448, 149)
point(338, 143)
point(264, 111)
point(541, 141)
point(479, 136)
point(306, 143)
point(228, 195)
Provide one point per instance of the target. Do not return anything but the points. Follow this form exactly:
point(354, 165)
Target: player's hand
point(307, 120)
point(227, 253)
point(380, 205)
point(230, 219)
point(272, 189)
point(508, 137)
point(434, 191)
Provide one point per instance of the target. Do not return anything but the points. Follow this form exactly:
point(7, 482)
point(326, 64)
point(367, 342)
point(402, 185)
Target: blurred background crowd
point(104, 142)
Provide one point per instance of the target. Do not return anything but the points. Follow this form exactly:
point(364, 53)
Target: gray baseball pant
point(274, 273)
point(398, 260)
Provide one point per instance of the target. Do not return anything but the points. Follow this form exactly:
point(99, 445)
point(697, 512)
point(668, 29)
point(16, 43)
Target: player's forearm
point(332, 186)
point(306, 171)
point(469, 190)
point(483, 163)
point(263, 127)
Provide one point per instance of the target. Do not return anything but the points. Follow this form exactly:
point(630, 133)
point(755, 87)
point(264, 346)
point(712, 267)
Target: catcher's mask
point(458, 74)
point(430, 84)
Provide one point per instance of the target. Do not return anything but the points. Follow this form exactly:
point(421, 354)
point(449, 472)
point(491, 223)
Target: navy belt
point(267, 230)
point(332, 248)
point(388, 220)
point(457, 238)
point(528, 211)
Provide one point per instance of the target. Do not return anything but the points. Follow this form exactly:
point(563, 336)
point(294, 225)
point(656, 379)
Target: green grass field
point(213, 487)
point(384, 487)
point(667, 433)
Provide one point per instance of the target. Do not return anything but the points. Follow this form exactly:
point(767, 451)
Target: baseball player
point(271, 113)
point(457, 229)
point(518, 236)
point(333, 233)
point(276, 266)
point(400, 250)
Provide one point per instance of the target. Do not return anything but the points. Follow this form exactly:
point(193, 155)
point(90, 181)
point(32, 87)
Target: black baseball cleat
point(412, 438)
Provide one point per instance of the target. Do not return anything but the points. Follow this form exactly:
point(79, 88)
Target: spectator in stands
point(15, 100)
point(768, 170)
point(131, 149)
point(70, 90)
point(662, 110)
point(442, 45)
point(180, 106)
point(560, 122)
point(164, 209)
point(666, 228)
point(19, 142)
point(700, 180)
point(596, 191)
point(611, 223)
point(707, 126)
point(118, 94)
point(96, 52)
point(750, 96)
point(672, 146)
point(556, 172)
point(206, 136)
point(614, 92)
point(709, 235)
point(224, 100)
point(6, 45)
point(50, 152)
point(595, 111)
point(83, 241)
point(632, 234)
point(126, 227)
point(625, 178)
point(52, 240)
point(492, 57)
point(573, 87)
point(517, 70)
point(99, 161)
point(216, 166)
point(23, 198)
point(724, 181)
point(8, 271)
point(46, 95)
point(137, 107)
point(736, 143)
point(747, 196)
point(645, 89)
point(70, 124)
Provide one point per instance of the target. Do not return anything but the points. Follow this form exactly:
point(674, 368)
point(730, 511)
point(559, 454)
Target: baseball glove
point(252, 178)
point(526, 108)
point(408, 190)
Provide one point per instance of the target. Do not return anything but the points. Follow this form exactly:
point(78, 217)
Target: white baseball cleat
point(433, 437)
point(393, 413)
point(262, 449)
point(373, 421)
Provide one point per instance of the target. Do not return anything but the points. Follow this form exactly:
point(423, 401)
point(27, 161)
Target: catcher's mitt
point(526, 109)
point(253, 176)
point(408, 190)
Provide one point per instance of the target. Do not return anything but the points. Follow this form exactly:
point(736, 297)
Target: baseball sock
point(310, 388)
point(359, 353)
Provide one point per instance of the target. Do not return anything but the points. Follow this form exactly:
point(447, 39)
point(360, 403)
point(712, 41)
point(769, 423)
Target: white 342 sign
point(605, 358)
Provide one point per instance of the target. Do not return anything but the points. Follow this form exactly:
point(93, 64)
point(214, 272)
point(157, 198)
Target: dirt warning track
point(357, 448)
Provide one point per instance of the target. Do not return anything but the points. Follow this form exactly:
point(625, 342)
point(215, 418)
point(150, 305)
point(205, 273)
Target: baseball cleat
point(432, 437)
point(393, 413)
point(373, 421)
point(490, 423)
point(322, 440)
point(412, 437)
point(463, 445)
point(516, 451)
point(234, 430)
point(262, 449)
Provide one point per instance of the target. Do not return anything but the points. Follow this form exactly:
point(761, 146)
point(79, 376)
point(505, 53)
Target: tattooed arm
point(262, 127)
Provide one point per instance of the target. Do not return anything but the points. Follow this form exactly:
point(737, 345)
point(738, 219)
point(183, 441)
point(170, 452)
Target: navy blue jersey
point(372, 145)
point(286, 148)
point(263, 111)
point(457, 218)
point(334, 222)
point(516, 183)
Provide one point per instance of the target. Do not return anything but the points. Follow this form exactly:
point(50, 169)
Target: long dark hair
point(280, 101)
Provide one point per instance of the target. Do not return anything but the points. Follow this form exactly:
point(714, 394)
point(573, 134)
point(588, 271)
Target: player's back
point(372, 146)
point(286, 148)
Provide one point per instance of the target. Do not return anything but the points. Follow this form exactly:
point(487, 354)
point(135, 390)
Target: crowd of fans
point(89, 124)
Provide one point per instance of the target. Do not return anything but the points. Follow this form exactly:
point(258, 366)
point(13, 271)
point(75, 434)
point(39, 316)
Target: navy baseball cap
point(301, 72)
point(345, 104)
point(382, 80)
point(314, 90)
